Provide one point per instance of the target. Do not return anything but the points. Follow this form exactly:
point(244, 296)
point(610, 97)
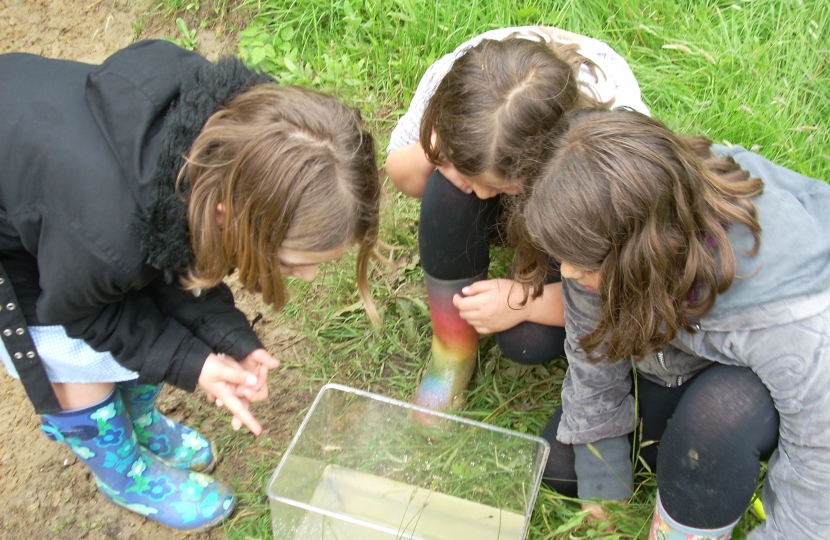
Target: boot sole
point(202, 528)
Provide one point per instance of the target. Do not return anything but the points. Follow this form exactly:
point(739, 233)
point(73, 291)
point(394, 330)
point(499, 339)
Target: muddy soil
point(45, 492)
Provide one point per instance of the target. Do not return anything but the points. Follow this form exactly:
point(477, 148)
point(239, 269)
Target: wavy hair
point(648, 210)
point(292, 168)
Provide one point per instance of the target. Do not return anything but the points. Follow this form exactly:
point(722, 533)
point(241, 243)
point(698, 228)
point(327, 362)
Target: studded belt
point(21, 348)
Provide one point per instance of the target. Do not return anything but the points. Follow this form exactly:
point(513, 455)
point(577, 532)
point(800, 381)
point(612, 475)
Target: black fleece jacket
point(92, 233)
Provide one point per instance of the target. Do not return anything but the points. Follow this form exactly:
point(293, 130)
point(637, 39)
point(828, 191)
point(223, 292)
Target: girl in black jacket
point(128, 192)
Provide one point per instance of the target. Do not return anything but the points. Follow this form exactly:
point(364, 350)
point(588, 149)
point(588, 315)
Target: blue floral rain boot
point(176, 444)
point(130, 476)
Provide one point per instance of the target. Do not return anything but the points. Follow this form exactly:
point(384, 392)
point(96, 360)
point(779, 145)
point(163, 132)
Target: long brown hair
point(494, 109)
point(292, 168)
point(649, 211)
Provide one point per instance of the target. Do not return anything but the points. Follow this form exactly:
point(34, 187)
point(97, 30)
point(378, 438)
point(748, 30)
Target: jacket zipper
point(662, 360)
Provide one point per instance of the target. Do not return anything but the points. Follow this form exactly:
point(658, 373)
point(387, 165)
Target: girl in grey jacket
point(697, 286)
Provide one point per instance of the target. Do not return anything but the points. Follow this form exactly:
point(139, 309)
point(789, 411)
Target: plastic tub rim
point(392, 401)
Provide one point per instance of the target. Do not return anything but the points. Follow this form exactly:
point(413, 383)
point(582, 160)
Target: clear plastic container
point(367, 467)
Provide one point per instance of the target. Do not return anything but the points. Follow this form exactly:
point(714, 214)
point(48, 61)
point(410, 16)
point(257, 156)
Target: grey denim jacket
point(775, 319)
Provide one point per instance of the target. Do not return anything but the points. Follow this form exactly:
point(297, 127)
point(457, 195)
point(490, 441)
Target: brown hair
point(649, 211)
point(495, 108)
point(292, 168)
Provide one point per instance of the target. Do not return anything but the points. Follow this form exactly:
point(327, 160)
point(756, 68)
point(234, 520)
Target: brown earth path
point(45, 493)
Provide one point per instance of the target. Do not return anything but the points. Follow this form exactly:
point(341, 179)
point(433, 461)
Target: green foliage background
point(748, 72)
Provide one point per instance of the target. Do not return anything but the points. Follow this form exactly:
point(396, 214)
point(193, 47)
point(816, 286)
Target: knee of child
point(531, 344)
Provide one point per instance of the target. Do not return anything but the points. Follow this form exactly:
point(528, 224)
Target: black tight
point(455, 230)
point(454, 237)
point(710, 453)
point(713, 432)
point(531, 343)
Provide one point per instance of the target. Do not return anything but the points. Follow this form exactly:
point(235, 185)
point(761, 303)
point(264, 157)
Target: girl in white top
point(616, 83)
point(479, 125)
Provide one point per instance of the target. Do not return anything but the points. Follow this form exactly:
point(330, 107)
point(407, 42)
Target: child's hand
point(491, 305)
point(595, 511)
point(596, 514)
point(220, 378)
point(259, 362)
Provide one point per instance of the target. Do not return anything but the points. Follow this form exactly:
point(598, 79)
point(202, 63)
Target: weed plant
point(748, 72)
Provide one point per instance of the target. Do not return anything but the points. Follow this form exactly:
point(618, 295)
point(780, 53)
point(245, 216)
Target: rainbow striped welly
point(454, 348)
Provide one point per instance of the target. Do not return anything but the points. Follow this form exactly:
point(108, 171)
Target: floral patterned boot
point(176, 444)
point(130, 476)
point(663, 527)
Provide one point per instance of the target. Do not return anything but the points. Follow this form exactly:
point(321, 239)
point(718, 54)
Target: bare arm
point(548, 309)
point(409, 169)
point(494, 305)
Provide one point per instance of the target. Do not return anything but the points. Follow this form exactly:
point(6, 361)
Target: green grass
point(751, 72)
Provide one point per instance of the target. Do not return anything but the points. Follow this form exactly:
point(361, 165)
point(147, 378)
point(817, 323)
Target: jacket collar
point(165, 235)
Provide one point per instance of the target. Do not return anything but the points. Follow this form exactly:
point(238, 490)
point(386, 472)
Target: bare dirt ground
point(45, 492)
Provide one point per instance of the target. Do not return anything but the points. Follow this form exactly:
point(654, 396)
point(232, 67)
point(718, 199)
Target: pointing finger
point(242, 416)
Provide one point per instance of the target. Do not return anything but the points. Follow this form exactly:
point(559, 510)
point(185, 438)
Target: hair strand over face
point(291, 168)
point(647, 209)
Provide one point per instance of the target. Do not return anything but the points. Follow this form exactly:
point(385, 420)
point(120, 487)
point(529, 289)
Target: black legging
point(713, 432)
point(454, 237)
